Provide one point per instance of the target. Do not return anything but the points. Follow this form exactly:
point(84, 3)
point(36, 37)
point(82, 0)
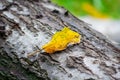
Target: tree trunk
point(25, 24)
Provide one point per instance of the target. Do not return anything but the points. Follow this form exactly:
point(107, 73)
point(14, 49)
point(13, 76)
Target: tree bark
point(25, 24)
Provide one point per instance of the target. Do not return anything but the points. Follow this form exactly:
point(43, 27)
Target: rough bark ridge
point(25, 24)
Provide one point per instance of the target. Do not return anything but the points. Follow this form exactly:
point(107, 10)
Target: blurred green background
point(94, 8)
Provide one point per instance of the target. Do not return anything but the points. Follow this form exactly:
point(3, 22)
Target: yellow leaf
point(61, 39)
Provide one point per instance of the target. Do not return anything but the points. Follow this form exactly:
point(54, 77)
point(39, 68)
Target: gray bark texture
point(27, 24)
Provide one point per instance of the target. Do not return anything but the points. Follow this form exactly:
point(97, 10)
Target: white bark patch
point(27, 42)
point(11, 16)
point(53, 7)
point(24, 10)
point(10, 1)
point(1, 6)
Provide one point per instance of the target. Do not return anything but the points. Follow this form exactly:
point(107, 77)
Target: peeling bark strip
point(25, 24)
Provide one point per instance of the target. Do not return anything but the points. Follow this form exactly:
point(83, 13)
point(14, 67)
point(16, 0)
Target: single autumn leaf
point(61, 39)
